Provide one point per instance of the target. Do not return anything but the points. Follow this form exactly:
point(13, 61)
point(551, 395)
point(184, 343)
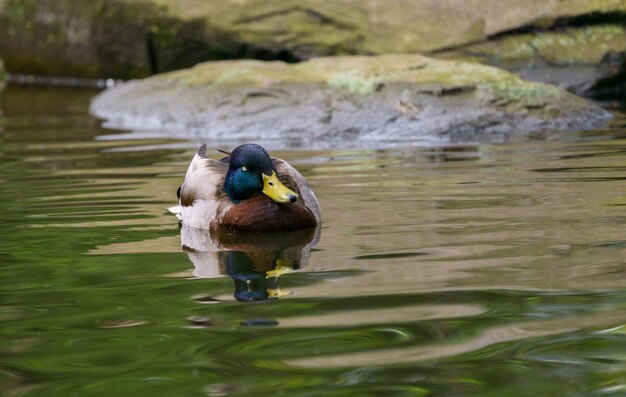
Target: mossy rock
point(310, 28)
point(132, 38)
point(347, 100)
point(577, 59)
point(102, 38)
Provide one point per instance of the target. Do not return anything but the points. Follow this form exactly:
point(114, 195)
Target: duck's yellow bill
point(274, 189)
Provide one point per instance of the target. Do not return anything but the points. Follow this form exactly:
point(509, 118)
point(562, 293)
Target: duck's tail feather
point(176, 210)
point(202, 151)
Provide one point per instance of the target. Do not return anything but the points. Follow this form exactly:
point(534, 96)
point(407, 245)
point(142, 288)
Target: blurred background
point(577, 44)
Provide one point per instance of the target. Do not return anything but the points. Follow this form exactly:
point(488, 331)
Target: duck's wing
point(195, 164)
point(291, 178)
point(204, 179)
point(202, 190)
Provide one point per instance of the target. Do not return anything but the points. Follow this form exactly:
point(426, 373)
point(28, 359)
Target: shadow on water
point(255, 262)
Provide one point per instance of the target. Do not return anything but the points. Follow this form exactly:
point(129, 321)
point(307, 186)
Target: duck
point(247, 191)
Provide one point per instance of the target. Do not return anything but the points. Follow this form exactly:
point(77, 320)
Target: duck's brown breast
point(260, 214)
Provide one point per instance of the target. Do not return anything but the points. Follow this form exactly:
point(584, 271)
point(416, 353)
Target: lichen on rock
point(350, 100)
point(574, 58)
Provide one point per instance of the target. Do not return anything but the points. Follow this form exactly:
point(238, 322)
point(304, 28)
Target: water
point(469, 270)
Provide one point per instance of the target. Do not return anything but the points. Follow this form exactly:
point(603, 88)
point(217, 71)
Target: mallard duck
point(247, 191)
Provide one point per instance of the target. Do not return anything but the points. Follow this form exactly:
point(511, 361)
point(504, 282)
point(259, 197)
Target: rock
point(352, 100)
point(103, 38)
point(126, 38)
point(581, 59)
point(333, 27)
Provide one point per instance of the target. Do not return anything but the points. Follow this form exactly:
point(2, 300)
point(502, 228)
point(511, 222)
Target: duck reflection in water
point(255, 262)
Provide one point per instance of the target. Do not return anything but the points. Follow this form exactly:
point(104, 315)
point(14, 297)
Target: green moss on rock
point(584, 45)
point(573, 58)
point(393, 97)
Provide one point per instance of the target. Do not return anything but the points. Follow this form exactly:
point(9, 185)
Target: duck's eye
point(271, 183)
point(244, 168)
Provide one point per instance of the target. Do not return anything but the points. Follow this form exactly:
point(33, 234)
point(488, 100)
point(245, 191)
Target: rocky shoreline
point(542, 40)
point(334, 70)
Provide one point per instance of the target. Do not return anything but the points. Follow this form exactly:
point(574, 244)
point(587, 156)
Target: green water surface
point(467, 270)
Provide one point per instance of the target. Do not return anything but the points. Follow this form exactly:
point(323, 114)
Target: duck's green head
point(251, 172)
